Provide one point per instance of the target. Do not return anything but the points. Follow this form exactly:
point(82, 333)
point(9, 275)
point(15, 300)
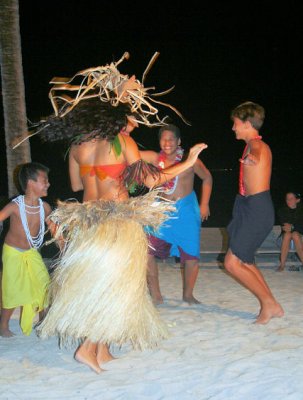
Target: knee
point(296, 237)
point(228, 264)
point(287, 236)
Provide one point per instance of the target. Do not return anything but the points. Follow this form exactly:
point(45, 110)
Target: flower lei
point(170, 186)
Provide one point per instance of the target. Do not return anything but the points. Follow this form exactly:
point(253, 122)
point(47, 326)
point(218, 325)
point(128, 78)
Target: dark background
point(217, 56)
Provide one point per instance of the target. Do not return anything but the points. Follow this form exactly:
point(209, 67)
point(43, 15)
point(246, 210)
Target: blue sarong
point(183, 228)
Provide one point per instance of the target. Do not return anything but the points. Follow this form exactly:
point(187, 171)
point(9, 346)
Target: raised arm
point(132, 156)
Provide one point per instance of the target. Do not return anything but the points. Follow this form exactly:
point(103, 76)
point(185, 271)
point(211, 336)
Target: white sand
point(214, 352)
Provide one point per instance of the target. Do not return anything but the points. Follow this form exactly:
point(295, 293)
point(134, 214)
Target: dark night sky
point(217, 57)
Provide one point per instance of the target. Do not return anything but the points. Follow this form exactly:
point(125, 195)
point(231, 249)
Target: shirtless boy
point(253, 212)
point(25, 277)
point(180, 235)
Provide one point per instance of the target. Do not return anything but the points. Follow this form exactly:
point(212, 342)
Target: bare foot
point(280, 269)
point(6, 332)
point(103, 354)
point(157, 299)
point(269, 312)
point(191, 300)
point(88, 358)
point(154, 290)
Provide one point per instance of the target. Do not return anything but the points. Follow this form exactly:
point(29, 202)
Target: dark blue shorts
point(252, 220)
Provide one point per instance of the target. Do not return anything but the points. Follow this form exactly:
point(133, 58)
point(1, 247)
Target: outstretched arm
point(132, 155)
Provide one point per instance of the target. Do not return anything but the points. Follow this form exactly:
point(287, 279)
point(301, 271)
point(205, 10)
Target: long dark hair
point(90, 119)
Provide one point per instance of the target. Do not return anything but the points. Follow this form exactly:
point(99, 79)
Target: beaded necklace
point(170, 186)
point(34, 241)
point(242, 190)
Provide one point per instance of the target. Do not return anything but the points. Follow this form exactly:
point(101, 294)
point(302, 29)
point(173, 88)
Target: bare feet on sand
point(103, 354)
point(269, 312)
point(191, 300)
point(5, 332)
point(280, 269)
point(88, 358)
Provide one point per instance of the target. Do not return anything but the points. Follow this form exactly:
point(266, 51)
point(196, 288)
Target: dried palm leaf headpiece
point(109, 85)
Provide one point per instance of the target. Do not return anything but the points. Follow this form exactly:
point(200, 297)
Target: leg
point(86, 354)
point(153, 280)
point(103, 354)
point(253, 280)
point(296, 237)
point(259, 276)
point(286, 238)
point(191, 271)
point(42, 313)
point(6, 314)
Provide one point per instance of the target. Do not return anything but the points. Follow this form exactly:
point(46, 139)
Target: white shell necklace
point(34, 241)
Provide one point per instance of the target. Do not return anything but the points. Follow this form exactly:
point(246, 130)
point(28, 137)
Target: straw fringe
point(99, 288)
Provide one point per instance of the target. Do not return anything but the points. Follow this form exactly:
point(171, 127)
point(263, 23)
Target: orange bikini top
point(103, 171)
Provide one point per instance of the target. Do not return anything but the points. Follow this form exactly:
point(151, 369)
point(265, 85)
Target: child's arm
point(206, 187)
point(7, 211)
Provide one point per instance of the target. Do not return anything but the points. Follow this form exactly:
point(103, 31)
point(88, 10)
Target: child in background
point(25, 277)
point(291, 221)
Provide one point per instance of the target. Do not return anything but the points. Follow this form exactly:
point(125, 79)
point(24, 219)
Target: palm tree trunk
point(13, 93)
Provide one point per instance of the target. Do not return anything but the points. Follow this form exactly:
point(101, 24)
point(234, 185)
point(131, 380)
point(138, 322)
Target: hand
point(204, 212)
point(249, 159)
point(286, 227)
point(195, 151)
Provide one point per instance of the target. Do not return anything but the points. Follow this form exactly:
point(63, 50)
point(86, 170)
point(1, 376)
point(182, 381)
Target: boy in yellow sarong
point(25, 278)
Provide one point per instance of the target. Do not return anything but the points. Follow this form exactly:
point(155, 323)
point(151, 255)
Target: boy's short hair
point(29, 171)
point(172, 128)
point(249, 111)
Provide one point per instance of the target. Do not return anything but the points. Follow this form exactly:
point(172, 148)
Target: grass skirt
point(99, 289)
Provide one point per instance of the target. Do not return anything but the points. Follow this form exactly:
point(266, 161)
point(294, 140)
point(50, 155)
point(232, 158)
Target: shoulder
point(128, 146)
point(256, 144)
point(73, 150)
point(8, 210)
point(260, 147)
point(126, 140)
point(12, 205)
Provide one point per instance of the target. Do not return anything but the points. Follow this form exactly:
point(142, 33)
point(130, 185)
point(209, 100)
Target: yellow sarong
point(25, 281)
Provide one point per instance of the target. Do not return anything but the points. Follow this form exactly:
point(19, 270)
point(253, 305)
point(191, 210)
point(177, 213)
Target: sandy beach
point(215, 351)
